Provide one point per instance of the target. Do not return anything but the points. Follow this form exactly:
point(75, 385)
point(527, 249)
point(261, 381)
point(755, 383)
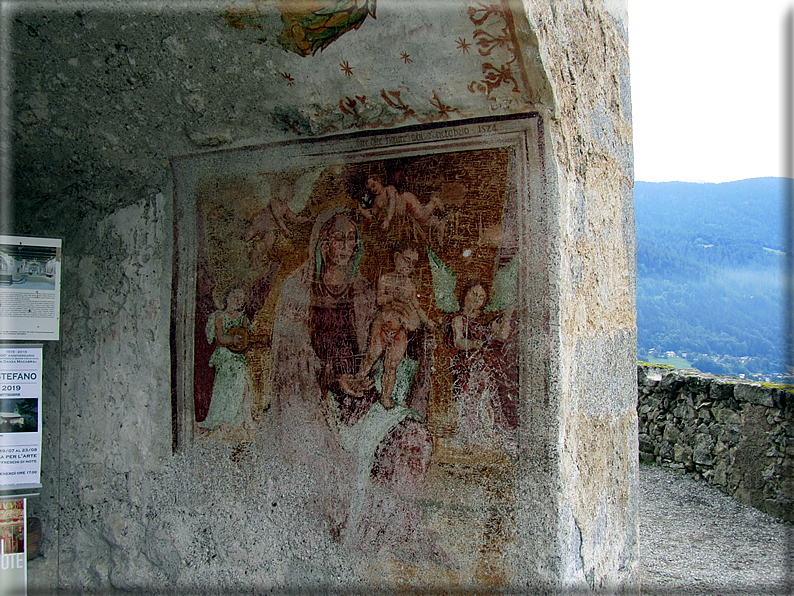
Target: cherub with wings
point(485, 367)
point(272, 211)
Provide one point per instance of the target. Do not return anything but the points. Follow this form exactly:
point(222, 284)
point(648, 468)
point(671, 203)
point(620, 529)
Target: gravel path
point(696, 540)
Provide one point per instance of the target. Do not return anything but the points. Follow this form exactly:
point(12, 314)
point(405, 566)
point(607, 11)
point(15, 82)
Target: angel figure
point(271, 219)
point(484, 369)
point(230, 406)
point(310, 27)
point(389, 204)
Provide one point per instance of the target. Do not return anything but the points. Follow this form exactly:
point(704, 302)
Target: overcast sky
point(707, 85)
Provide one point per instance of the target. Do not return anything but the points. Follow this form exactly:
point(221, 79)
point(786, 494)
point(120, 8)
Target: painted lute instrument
point(245, 340)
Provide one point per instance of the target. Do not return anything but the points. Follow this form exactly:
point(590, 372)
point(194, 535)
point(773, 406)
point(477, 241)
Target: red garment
point(486, 386)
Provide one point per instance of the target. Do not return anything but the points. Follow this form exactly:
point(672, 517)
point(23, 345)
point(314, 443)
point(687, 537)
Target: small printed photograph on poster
point(361, 298)
point(20, 416)
point(30, 288)
point(13, 557)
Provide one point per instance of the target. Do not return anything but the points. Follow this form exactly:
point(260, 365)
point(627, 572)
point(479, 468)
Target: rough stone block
point(648, 376)
point(725, 415)
point(721, 389)
point(670, 434)
point(720, 473)
point(787, 400)
point(671, 383)
point(702, 453)
point(683, 453)
point(754, 394)
point(787, 488)
point(730, 434)
point(698, 382)
point(782, 509)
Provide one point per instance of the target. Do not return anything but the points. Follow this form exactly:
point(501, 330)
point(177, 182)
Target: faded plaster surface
point(102, 95)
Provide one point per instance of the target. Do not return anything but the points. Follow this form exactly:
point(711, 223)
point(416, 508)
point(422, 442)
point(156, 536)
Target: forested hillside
point(709, 274)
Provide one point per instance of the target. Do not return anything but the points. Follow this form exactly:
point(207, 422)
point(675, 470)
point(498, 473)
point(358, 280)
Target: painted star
point(346, 68)
point(406, 57)
point(290, 80)
point(463, 45)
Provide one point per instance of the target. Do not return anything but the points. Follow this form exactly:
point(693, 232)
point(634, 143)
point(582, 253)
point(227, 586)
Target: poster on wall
point(13, 553)
point(20, 416)
point(358, 298)
point(30, 288)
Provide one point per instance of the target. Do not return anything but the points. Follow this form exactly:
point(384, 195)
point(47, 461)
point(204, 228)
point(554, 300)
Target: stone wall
point(737, 435)
point(591, 271)
point(100, 98)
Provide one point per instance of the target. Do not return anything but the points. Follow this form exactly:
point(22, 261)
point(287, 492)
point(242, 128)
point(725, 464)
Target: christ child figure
point(388, 203)
point(400, 313)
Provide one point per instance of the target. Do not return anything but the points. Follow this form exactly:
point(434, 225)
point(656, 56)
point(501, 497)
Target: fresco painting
point(366, 313)
point(309, 26)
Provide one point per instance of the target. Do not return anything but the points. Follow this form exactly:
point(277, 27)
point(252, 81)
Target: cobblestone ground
point(696, 540)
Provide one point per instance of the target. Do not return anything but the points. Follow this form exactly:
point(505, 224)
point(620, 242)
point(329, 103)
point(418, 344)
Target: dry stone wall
point(737, 435)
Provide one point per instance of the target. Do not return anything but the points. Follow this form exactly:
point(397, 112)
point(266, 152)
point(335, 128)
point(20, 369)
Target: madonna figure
point(330, 420)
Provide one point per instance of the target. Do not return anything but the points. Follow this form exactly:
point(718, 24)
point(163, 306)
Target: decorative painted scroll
point(372, 80)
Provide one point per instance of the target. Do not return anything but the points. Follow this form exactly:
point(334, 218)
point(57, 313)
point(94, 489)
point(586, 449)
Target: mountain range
point(710, 263)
